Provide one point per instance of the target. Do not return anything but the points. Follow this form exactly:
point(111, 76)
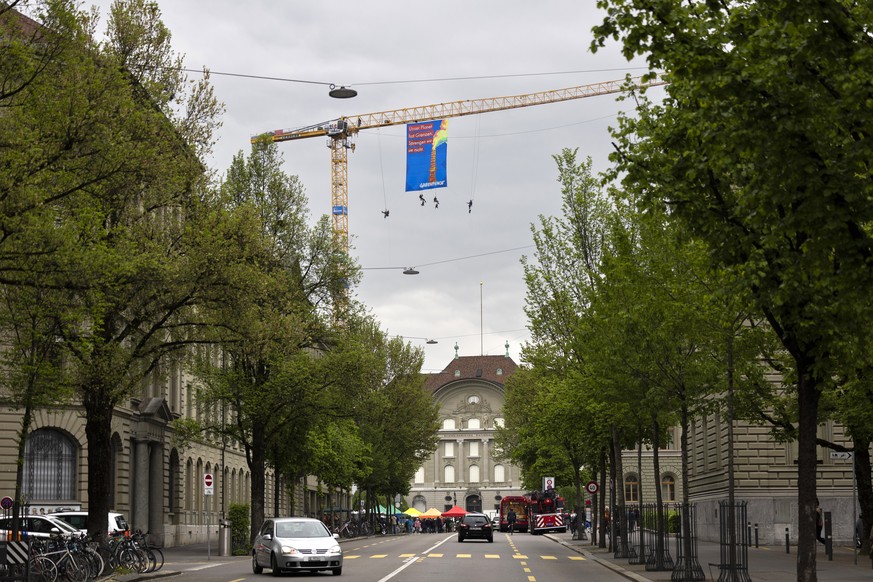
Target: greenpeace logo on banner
point(426, 147)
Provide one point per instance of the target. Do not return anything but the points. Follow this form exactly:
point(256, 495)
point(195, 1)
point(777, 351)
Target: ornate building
point(463, 469)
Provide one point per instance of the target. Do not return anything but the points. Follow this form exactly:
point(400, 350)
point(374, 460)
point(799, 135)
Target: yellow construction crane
point(342, 131)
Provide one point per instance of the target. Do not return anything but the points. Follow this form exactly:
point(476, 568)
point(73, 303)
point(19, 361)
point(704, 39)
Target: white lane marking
point(414, 560)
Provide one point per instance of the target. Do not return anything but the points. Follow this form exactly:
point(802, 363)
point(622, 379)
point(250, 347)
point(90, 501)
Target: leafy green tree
point(759, 148)
point(102, 196)
point(279, 355)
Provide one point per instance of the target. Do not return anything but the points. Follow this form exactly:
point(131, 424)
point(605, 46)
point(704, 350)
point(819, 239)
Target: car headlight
point(335, 551)
point(289, 550)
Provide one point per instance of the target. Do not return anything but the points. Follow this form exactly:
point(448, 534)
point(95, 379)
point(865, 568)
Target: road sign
point(592, 487)
point(208, 484)
point(841, 455)
point(6, 502)
point(548, 483)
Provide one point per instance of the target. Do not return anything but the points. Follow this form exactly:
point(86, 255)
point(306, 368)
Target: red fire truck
point(546, 512)
point(519, 504)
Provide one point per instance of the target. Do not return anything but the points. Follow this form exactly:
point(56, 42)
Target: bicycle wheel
point(159, 558)
point(364, 529)
point(129, 560)
point(151, 561)
point(74, 568)
point(42, 569)
point(95, 562)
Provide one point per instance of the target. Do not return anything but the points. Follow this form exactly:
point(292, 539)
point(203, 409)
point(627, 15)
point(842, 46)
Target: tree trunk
point(598, 513)
point(98, 433)
point(619, 516)
point(807, 468)
point(258, 467)
point(865, 490)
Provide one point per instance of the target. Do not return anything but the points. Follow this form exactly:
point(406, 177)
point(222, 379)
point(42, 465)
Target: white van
point(77, 519)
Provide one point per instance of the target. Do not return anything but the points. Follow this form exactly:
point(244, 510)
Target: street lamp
point(341, 92)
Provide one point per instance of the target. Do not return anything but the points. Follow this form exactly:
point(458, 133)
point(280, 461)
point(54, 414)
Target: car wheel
point(274, 566)
point(255, 568)
point(337, 571)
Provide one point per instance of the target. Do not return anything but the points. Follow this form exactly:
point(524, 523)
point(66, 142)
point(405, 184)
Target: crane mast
point(341, 131)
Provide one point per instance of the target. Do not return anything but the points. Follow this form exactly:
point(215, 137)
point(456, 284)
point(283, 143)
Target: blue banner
point(426, 147)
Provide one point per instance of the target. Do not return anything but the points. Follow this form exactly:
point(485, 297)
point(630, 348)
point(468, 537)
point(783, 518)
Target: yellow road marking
point(548, 557)
point(464, 556)
point(434, 555)
point(487, 556)
point(519, 557)
point(347, 557)
point(378, 556)
point(577, 558)
point(532, 579)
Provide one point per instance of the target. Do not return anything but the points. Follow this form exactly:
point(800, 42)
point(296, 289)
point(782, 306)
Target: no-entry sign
point(208, 484)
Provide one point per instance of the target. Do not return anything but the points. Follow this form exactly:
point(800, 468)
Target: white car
point(296, 544)
point(78, 519)
point(37, 526)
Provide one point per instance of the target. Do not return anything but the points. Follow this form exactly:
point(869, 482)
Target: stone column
point(461, 475)
point(140, 493)
point(156, 495)
point(486, 462)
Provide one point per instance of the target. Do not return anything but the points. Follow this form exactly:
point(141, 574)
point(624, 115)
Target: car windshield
point(300, 530)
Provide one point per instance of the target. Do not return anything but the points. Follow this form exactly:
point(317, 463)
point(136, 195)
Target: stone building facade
point(765, 475)
point(157, 484)
point(470, 391)
point(462, 470)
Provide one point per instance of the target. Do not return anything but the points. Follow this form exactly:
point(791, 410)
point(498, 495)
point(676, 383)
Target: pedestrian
point(819, 522)
point(510, 520)
point(859, 531)
point(393, 524)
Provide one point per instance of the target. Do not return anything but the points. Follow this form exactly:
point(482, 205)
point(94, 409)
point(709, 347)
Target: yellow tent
point(412, 512)
point(432, 513)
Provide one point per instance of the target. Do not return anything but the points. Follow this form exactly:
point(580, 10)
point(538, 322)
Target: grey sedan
point(296, 544)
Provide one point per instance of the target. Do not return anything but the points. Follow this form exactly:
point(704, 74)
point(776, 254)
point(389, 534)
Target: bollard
point(756, 535)
point(787, 542)
point(224, 538)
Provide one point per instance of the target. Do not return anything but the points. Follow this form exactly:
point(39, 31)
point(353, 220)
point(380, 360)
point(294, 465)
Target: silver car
point(296, 544)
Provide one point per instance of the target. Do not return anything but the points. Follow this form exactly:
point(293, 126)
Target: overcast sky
point(405, 53)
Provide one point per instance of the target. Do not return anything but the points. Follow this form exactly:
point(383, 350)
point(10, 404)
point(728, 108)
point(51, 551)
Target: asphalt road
point(416, 558)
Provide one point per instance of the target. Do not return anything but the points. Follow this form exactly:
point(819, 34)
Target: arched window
point(499, 473)
point(449, 474)
point(632, 488)
point(449, 424)
point(419, 475)
point(50, 466)
point(668, 488)
point(173, 482)
point(473, 423)
point(474, 473)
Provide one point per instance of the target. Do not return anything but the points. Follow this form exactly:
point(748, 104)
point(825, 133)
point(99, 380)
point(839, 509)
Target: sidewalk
point(766, 563)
